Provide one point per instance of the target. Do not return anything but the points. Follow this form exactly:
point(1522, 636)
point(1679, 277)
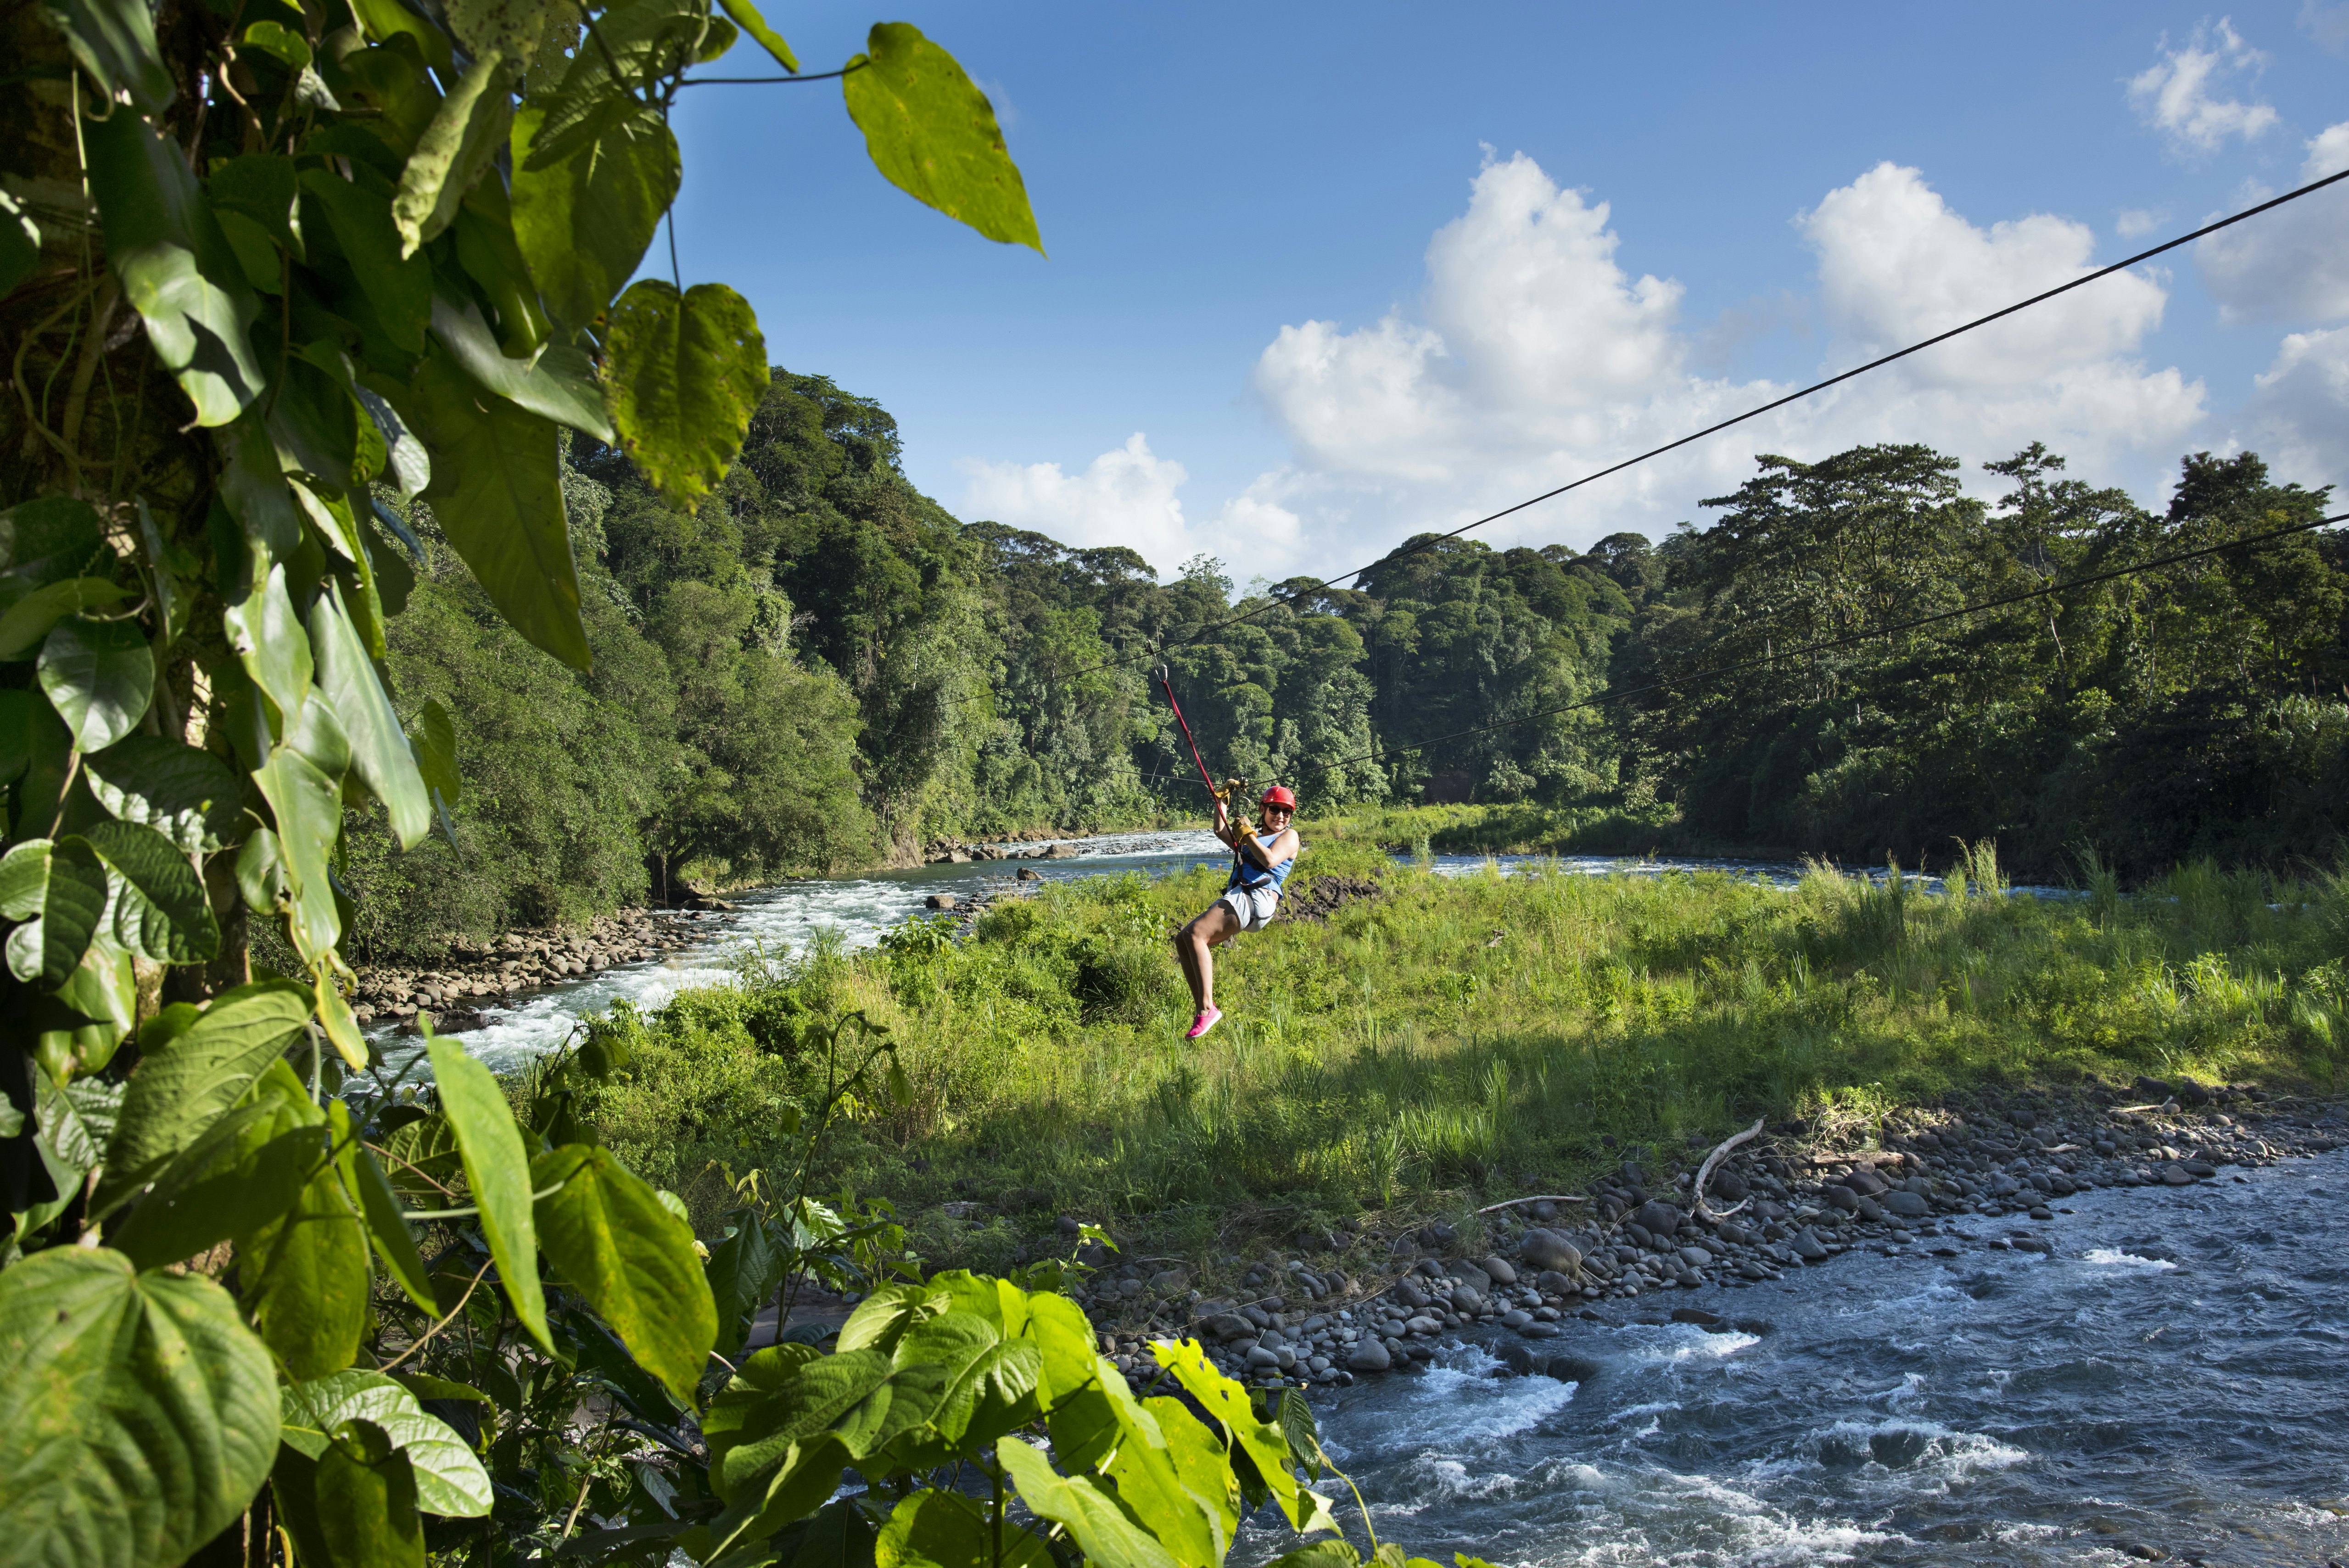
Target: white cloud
point(1540, 358)
point(2177, 95)
point(2291, 264)
point(2302, 407)
point(2135, 223)
point(1125, 496)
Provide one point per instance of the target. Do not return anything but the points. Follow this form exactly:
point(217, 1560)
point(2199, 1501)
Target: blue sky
point(1322, 276)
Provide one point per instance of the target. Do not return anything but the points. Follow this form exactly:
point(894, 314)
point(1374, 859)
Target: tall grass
point(1480, 1033)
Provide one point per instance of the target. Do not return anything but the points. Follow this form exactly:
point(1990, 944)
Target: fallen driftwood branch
point(1704, 1172)
point(1538, 1198)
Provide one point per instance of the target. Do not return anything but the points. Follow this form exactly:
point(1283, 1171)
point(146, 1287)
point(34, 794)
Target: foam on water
point(2114, 1258)
point(2006, 1415)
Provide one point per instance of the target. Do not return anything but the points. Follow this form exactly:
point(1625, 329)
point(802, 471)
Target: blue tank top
point(1246, 874)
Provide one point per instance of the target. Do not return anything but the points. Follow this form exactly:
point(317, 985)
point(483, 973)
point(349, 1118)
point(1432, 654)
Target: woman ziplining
point(1260, 863)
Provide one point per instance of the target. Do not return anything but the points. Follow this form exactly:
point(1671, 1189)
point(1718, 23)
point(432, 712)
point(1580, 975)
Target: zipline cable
point(1826, 644)
point(1160, 649)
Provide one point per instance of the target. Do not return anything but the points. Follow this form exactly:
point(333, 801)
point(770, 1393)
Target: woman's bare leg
point(1195, 945)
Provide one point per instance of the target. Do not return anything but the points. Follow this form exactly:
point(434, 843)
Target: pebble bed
point(1978, 1172)
point(492, 974)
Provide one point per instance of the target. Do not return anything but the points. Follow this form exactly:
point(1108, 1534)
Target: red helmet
point(1279, 794)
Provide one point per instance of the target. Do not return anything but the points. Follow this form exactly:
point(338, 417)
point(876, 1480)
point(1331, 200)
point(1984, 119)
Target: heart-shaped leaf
point(188, 795)
point(99, 676)
point(161, 909)
point(449, 1479)
point(142, 1415)
point(932, 134)
point(686, 373)
point(607, 1233)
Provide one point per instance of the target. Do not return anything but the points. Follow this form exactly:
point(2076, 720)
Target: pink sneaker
point(1205, 1021)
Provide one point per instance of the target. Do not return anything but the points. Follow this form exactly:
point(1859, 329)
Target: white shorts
point(1254, 906)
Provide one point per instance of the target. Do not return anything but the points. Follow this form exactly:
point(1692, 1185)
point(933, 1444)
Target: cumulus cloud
point(1130, 495)
point(2302, 407)
point(2291, 264)
point(2177, 95)
point(1125, 496)
point(2136, 222)
point(1538, 357)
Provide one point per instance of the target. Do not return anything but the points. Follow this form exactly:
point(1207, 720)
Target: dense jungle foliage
point(823, 668)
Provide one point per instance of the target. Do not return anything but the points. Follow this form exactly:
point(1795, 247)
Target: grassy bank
point(1453, 1038)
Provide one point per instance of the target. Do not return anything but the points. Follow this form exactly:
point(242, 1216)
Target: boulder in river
point(1369, 1355)
point(1906, 1204)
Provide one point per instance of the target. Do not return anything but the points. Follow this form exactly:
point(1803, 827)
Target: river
point(2170, 1380)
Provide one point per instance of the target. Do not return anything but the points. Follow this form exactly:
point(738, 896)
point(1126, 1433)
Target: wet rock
point(2197, 1167)
point(1571, 1368)
point(1842, 1198)
point(1422, 1324)
point(941, 901)
point(1551, 1283)
point(1907, 1204)
point(1547, 1249)
point(1473, 1276)
point(1808, 1246)
point(1409, 1295)
point(1516, 1317)
point(2175, 1175)
point(1499, 1271)
point(1369, 1355)
point(1696, 1257)
point(1029, 874)
point(1871, 1211)
point(1467, 1301)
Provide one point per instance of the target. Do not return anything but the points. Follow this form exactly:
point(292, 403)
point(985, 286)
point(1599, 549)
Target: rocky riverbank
point(1979, 1171)
point(474, 975)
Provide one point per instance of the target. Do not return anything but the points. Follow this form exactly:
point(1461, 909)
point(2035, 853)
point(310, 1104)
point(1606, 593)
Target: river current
point(2171, 1380)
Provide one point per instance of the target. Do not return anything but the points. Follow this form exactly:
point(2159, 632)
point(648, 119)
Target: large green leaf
point(1266, 1444)
point(990, 1385)
point(387, 1222)
point(303, 1276)
point(161, 909)
point(498, 1170)
point(744, 1270)
point(1102, 1531)
point(933, 133)
point(114, 41)
point(686, 375)
point(176, 266)
point(364, 1495)
point(464, 135)
point(784, 1397)
point(605, 1231)
point(180, 1088)
point(99, 676)
point(28, 621)
point(141, 1415)
point(308, 807)
point(270, 643)
point(934, 1529)
point(379, 748)
point(397, 287)
point(450, 1481)
point(72, 911)
point(558, 381)
point(496, 494)
point(253, 488)
point(212, 1194)
point(186, 793)
point(265, 188)
point(585, 219)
